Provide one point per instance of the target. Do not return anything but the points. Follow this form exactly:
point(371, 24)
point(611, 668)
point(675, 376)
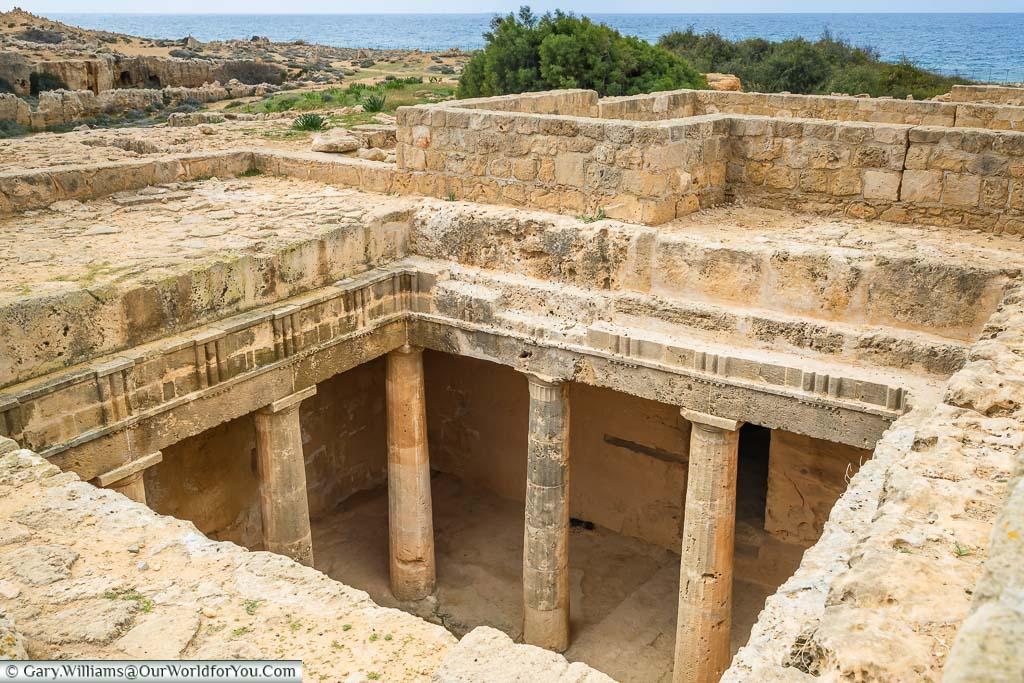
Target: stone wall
point(1007, 115)
point(648, 172)
point(998, 94)
point(834, 155)
point(805, 478)
point(969, 178)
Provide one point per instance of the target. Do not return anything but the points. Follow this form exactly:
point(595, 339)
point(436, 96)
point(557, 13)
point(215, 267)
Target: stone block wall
point(828, 107)
point(997, 94)
point(684, 103)
point(572, 102)
point(641, 172)
point(674, 104)
point(818, 165)
point(973, 178)
point(652, 158)
point(968, 178)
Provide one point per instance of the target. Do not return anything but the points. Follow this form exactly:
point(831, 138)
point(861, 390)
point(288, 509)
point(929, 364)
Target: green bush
point(801, 66)
point(375, 102)
point(526, 53)
point(309, 122)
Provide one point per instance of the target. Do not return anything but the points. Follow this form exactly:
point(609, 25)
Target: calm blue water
point(983, 46)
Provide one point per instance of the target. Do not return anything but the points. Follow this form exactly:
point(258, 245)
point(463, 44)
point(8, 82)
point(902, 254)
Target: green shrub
point(375, 102)
point(526, 53)
point(800, 66)
point(309, 122)
point(10, 129)
point(42, 81)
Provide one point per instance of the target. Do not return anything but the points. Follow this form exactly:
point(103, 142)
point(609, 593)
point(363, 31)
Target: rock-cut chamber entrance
point(628, 480)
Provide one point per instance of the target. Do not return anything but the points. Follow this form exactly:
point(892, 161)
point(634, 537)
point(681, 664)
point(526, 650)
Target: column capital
point(291, 401)
point(408, 349)
point(708, 420)
point(544, 387)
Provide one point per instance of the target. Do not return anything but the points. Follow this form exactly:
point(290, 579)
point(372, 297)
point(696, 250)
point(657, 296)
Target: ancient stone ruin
point(688, 386)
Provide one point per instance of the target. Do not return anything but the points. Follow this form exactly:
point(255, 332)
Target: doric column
point(546, 542)
point(410, 521)
point(705, 571)
point(282, 475)
point(128, 478)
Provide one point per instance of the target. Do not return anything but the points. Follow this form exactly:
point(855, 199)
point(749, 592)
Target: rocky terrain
point(79, 57)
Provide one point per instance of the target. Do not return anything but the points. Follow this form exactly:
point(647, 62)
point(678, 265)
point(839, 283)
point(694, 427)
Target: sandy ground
point(623, 598)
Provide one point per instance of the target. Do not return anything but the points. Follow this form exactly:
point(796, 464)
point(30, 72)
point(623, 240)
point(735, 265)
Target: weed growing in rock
point(593, 218)
point(142, 603)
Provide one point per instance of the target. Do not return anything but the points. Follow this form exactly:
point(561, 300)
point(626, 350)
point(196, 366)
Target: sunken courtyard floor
point(623, 590)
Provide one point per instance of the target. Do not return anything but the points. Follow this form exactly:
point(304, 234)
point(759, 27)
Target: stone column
point(705, 571)
point(410, 517)
point(546, 540)
point(282, 474)
point(128, 479)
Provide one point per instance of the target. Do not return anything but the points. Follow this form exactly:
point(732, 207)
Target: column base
point(548, 629)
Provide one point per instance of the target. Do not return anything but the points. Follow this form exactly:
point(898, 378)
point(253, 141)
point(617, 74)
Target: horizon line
point(398, 12)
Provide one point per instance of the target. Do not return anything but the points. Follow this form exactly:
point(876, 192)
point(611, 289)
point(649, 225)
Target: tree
point(525, 53)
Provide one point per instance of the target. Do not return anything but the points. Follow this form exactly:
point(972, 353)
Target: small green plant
point(346, 627)
point(240, 631)
point(143, 603)
point(960, 551)
point(374, 637)
point(295, 625)
point(593, 218)
point(251, 173)
point(375, 102)
point(387, 636)
point(373, 676)
point(251, 606)
point(309, 122)
point(450, 197)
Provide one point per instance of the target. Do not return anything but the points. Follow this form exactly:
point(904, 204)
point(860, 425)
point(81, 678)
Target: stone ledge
point(486, 654)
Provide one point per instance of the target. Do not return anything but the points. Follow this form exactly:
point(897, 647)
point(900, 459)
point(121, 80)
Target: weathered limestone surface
point(882, 593)
point(989, 643)
point(805, 478)
point(486, 654)
point(99, 576)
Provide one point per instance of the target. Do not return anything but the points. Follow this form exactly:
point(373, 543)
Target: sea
point(988, 47)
